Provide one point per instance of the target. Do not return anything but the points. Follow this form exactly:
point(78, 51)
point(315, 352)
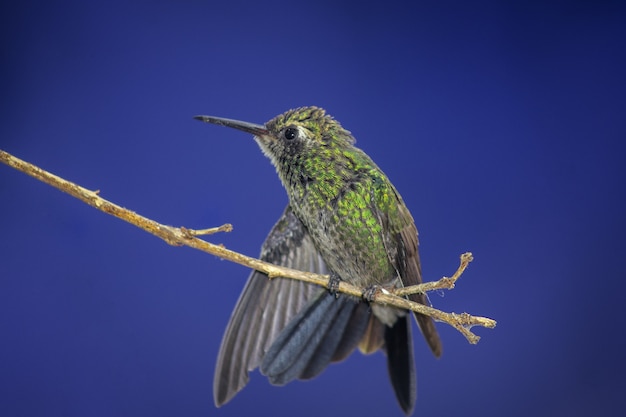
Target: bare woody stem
point(180, 236)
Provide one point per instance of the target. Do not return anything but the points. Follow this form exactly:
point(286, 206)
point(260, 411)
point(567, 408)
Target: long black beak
point(257, 130)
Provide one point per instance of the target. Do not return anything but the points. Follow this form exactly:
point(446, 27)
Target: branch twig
point(181, 236)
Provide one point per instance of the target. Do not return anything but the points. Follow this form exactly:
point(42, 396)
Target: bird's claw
point(370, 293)
point(333, 284)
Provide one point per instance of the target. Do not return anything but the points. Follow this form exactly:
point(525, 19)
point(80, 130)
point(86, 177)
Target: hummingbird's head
point(307, 131)
point(303, 131)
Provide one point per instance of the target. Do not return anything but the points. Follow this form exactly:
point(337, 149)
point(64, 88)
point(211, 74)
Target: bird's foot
point(333, 284)
point(370, 293)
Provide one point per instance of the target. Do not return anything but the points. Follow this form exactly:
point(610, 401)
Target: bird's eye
point(291, 133)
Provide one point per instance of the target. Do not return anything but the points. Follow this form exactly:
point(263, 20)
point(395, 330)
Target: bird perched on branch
point(345, 219)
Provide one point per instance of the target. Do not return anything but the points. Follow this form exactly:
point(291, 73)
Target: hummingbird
point(345, 219)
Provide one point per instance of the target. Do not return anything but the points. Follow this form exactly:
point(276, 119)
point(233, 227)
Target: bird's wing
point(266, 306)
point(403, 249)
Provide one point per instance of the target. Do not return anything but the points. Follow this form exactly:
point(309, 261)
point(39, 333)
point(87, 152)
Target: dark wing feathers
point(411, 273)
point(266, 306)
point(405, 258)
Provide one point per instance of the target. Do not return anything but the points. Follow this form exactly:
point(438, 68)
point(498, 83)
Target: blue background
point(501, 123)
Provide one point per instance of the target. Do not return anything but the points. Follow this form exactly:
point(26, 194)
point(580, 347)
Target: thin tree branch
point(181, 236)
point(444, 283)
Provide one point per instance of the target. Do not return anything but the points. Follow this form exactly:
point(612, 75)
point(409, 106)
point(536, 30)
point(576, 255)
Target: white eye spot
point(302, 132)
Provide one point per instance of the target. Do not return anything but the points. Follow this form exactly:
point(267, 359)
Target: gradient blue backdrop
point(501, 123)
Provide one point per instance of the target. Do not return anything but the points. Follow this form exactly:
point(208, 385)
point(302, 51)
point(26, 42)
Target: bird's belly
point(353, 250)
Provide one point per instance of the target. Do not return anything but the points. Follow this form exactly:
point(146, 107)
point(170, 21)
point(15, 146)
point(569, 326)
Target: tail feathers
point(329, 329)
point(335, 335)
point(400, 363)
point(354, 332)
point(306, 342)
point(373, 338)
